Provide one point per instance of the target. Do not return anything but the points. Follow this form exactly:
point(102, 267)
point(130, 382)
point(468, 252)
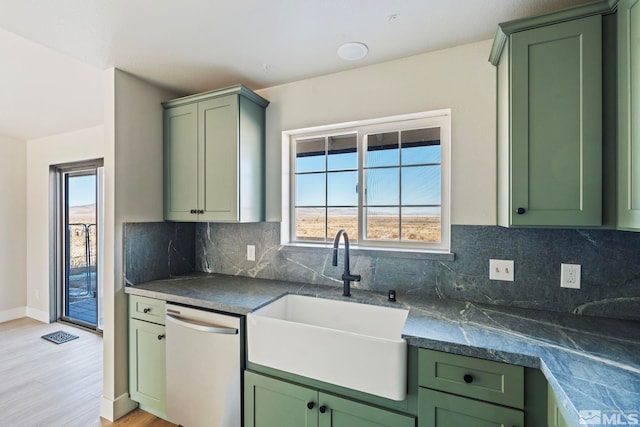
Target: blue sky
point(82, 190)
point(420, 184)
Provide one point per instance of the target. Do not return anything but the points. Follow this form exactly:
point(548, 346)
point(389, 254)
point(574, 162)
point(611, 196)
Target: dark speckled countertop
point(593, 364)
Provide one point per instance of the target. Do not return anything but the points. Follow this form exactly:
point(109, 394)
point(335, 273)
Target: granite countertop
point(592, 364)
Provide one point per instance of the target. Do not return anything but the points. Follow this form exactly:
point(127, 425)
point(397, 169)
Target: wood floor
point(45, 384)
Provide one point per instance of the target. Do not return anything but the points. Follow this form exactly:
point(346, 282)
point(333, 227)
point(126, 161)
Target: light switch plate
point(501, 269)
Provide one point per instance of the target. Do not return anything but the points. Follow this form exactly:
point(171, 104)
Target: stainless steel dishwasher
point(203, 367)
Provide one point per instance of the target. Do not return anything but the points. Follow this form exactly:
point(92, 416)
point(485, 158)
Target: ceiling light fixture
point(353, 51)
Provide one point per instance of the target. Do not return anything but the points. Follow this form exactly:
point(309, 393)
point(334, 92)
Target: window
point(385, 181)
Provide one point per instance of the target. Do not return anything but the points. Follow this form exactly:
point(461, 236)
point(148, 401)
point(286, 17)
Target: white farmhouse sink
point(358, 346)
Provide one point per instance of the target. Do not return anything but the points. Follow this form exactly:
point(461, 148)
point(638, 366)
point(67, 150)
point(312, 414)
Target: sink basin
point(358, 346)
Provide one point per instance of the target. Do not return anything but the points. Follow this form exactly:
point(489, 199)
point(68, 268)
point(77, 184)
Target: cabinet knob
point(520, 211)
point(467, 378)
point(322, 409)
point(201, 211)
point(146, 310)
point(310, 405)
point(160, 337)
point(193, 211)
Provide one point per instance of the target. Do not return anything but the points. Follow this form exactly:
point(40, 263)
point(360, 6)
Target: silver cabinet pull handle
point(202, 327)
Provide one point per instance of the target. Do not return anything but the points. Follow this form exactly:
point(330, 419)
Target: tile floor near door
point(46, 384)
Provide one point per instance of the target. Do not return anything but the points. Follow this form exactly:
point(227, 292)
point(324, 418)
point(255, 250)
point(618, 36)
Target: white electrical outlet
point(501, 269)
point(570, 276)
point(251, 253)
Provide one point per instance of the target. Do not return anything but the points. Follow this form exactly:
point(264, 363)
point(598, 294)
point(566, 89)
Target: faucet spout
point(347, 277)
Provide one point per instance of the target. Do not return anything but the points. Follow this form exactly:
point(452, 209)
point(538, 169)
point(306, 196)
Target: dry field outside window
point(414, 228)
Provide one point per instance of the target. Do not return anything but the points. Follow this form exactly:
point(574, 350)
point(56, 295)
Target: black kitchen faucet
point(347, 277)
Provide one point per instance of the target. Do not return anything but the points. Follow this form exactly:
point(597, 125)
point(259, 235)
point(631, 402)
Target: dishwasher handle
point(202, 327)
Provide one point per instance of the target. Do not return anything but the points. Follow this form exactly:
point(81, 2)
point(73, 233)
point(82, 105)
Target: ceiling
point(53, 52)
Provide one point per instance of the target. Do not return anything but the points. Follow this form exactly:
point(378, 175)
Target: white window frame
point(440, 118)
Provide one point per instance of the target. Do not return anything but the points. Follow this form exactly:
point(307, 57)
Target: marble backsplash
point(610, 273)
point(610, 263)
point(158, 250)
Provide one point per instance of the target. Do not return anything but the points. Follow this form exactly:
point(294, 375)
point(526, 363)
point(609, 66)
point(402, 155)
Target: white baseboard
point(12, 314)
point(111, 410)
point(40, 315)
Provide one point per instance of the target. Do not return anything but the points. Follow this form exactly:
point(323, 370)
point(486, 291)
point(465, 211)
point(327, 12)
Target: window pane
point(343, 152)
point(310, 189)
point(383, 223)
point(310, 155)
point(310, 223)
point(383, 149)
point(382, 187)
point(421, 224)
point(421, 185)
point(342, 189)
point(420, 146)
point(346, 218)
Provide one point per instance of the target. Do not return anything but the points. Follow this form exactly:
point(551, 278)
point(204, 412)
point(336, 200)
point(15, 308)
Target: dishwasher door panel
point(203, 368)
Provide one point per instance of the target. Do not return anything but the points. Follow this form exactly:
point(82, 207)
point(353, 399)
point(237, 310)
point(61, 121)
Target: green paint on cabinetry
point(476, 378)
point(555, 416)
point(550, 125)
point(147, 378)
point(437, 409)
point(271, 402)
point(628, 157)
point(180, 161)
point(214, 157)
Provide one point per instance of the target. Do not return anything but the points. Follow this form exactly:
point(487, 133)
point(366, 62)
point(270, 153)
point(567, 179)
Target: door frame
point(57, 222)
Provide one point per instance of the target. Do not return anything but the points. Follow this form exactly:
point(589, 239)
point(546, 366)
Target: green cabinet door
point(628, 162)
point(147, 383)
point(555, 161)
point(218, 162)
point(555, 416)
point(339, 412)
point(181, 163)
point(269, 402)
point(437, 409)
point(214, 157)
point(272, 403)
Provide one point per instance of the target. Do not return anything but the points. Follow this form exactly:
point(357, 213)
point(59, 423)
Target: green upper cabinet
point(549, 83)
point(628, 152)
point(214, 157)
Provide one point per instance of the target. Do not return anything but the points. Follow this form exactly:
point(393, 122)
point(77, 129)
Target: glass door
point(79, 236)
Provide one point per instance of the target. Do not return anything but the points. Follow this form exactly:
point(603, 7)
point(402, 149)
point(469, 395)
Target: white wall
point(13, 204)
point(460, 78)
point(133, 192)
point(41, 154)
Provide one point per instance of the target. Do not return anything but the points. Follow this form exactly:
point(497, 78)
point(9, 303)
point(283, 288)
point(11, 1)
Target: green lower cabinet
point(555, 416)
point(274, 403)
point(147, 378)
point(437, 409)
point(342, 412)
